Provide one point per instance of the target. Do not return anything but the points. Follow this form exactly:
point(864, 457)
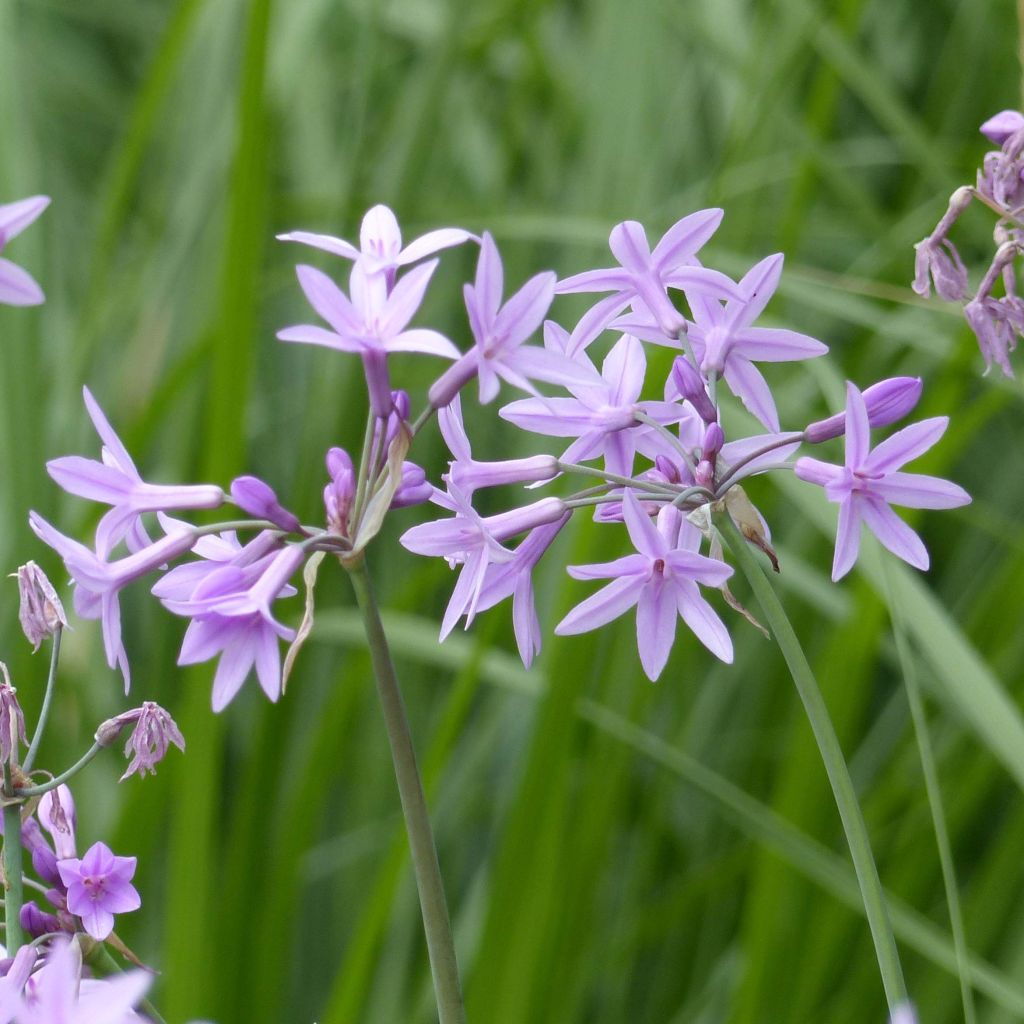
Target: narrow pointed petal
point(624, 368)
point(524, 312)
point(525, 623)
point(431, 242)
point(267, 658)
point(309, 334)
point(18, 287)
point(847, 538)
point(814, 471)
point(705, 623)
point(629, 565)
point(608, 603)
point(642, 530)
point(757, 287)
point(774, 345)
point(712, 284)
point(916, 490)
point(594, 322)
point(906, 445)
point(655, 626)
point(462, 595)
point(16, 216)
point(87, 478)
point(106, 432)
point(612, 279)
point(406, 297)
point(628, 243)
point(556, 417)
point(327, 243)
point(234, 665)
point(894, 534)
point(543, 364)
point(329, 301)
point(858, 428)
point(750, 387)
point(424, 340)
point(449, 419)
point(685, 238)
point(489, 283)
point(380, 237)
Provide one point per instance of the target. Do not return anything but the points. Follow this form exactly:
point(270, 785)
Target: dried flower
point(149, 741)
point(40, 611)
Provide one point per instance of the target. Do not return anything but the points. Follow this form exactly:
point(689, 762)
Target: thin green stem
point(45, 787)
point(832, 755)
point(44, 712)
point(625, 481)
point(934, 791)
point(642, 417)
point(13, 891)
point(434, 909)
point(747, 459)
point(363, 470)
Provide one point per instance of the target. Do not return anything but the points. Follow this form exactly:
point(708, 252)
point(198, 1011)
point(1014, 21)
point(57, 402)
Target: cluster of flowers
point(689, 466)
point(996, 320)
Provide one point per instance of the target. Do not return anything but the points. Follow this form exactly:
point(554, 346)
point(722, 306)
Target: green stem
point(434, 909)
point(44, 712)
point(934, 792)
point(625, 481)
point(45, 787)
point(13, 891)
point(835, 765)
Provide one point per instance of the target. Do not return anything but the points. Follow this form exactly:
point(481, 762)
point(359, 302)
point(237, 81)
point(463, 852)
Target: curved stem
point(934, 792)
point(434, 909)
point(13, 892)
point(642, 417)
point(747, 459)
point(835, 765)
point(44, 712)
point(45, 787)
point(614, 478)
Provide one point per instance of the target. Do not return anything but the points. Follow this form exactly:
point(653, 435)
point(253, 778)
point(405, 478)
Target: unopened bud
point(690, 387)
point(41, 614)
point(713, 441)
point(887, 401)
point(257, 498)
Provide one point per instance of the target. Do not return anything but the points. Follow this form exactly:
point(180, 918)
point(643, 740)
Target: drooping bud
point(12, 720)
point(690, 387)
point(257, 498)
point(887, 401)
point(150, 740)
point(40, 612)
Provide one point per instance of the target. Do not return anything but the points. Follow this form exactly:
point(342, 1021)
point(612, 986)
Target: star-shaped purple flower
point(661, 580)
point(99, 886)
point(17, 286)
point(870, 481)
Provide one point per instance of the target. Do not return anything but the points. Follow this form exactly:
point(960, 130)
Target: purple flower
point(500, 332)
point(371, 324)
point(870, 481)
point(17, 286)
point(98, 582)
point(40, 611)
point(602, 416)
point(380, 243)
point(149, 741)
point(232, 617)
point(99, 886)
point(661, 580)
point(115, 481)
point(645, 275)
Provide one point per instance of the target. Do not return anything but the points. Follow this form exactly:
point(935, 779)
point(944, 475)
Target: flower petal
point(685, 238)
point(18, 287)
point(917, 490)
point(847, 538)
point(431, 242)
point(655, 625)
point(894, 534)
point(906, 444)
point(328, 243)
point(608, 603)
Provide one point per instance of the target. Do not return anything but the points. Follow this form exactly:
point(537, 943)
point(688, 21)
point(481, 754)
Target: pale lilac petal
point(906, 444)
point(619, 452)
point(686, 563)
point(814, 471)
point(309, 334)
point(702, 281)
point(894, 534)
point(775, 345)
point(524, 619)
point(612, 279)
point(525, 311)
point(98, 923)
point(916, 490)
point(431, 242)
point(406, 297)
point(685, 238)
point(628, 243)
point(608, 603)
point(655, 625)
point(489, 283)
point(629, 565)
point(642, 530)
point(847, 538)
point(18, 287)
point(329, 301)
point(704, 621)
point(463, 591)
point(556, 417)
point(328, 243)
point(588, 445)
point(449, 419)
point(624, 368)
point(233, 667)
point(594, 322)
point(87, 478)
point(757, 287)
point(268, 663)
point(488, 382)
point(858, 428)
point(750, 387)
point(380, 238)
point(549, 366)
point(424, 340)
point(16, 216)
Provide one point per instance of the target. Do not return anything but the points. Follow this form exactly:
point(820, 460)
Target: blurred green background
point(614, 851)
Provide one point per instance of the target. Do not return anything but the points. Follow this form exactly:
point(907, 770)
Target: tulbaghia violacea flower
point(12, 720)
point(99, 885)
point(661, 579)
point(40, 611)
point(601, 416)
point(886, 402)
point(500, 332)
point(646, 275)
point(232, 617)
point(380, 243)
point(17, 286)
point(370, 324)
point(153, 733)
point(99, 582)
point(116, 482)
point(870, 481)
point(995, 323)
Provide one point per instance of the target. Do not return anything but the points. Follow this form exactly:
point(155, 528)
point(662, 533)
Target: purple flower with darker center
point(870, 480)
point(17, 286)
point(373, 324)
point(661, 580)
point(115, 481)
point(500, 332)
point(149, 741)
point(380, 243)
point(99, 886)
point(646, 275)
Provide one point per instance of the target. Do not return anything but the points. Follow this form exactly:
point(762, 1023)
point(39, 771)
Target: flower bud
point(338, 494)
point(12, 720)
point(37, 922)
point(887, 401)
point(713, 441)
point(414, 489)
point(1001, 126)
point(690, 387)
point(257, 498)
point(41, 614)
